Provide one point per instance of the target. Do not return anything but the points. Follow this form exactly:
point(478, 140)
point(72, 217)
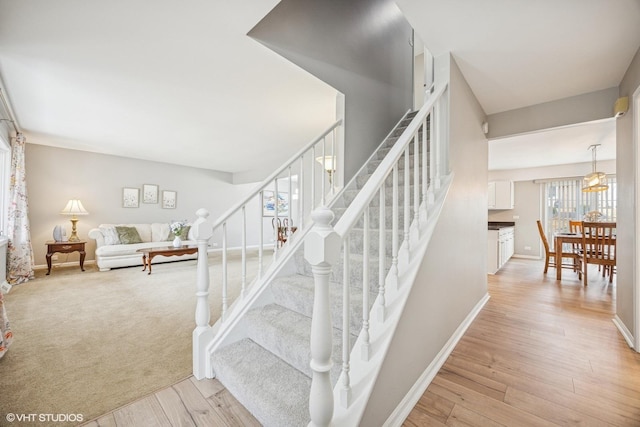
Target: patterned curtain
point(20, 254)
point(6, 336)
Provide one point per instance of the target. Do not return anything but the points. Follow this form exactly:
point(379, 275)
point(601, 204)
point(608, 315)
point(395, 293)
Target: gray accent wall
point(55, 175)
point(568, 111)
point(442, 298)
point(626, 165)
point(361, 48)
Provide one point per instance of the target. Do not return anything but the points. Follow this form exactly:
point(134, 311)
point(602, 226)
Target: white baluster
point(244, 252)
point(382, 256)
point(333, 161)
point(324, 171)
point(202, 230)
point(225, 302)
point(321, 249)
point(313, 178)
point(289, 210)
point(432, 157)
point(437, 147)
point(394, 229)
point(345, 390)
point(301, 194)
point(276, 220)
point(407, 199)
point(261, 238)
point(416, 183)
point(366, 345)
point(425, 167)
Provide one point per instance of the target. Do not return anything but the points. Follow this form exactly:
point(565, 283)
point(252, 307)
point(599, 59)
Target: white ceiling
point(158, 80)
point(516, 54)
point(558, 146)
point(162, 81)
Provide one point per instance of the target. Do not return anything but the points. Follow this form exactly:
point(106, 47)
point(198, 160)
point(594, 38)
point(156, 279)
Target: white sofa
point(110, 253)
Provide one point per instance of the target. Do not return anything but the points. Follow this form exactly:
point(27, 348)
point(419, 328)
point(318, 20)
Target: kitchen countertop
point(497, 225)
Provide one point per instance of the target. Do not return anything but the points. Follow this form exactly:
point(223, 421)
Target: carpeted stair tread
point(295, 292)
point(286, 334)
point(275, 393)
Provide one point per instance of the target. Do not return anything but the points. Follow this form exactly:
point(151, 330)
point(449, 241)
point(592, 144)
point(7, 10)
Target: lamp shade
point(74, 207)
point(595, 181)
point(327, 162)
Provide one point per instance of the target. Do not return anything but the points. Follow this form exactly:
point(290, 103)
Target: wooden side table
point(65, 248)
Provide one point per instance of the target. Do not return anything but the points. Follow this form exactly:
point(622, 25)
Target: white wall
point(626, 164)
point(55, 175)
point(527, 210)
point(568, 111)
point(370, 63)
point(443, 297)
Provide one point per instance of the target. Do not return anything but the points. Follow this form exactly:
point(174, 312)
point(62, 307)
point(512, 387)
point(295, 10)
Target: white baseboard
point(624, 331)
point(410, 400)
point(526, 256)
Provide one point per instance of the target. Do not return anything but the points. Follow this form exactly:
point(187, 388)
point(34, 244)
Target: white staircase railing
point(290, 193)
point(427, 137)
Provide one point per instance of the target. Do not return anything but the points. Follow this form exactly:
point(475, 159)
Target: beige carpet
point(89, 342)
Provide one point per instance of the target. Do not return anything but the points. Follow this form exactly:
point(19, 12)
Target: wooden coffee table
point(149, 253)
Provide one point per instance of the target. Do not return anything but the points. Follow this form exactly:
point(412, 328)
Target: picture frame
point(268, 203)
point(149, 193)
point(130, 197)
point(169, 199)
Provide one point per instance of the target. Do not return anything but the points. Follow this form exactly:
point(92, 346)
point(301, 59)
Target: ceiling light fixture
point(595, 181)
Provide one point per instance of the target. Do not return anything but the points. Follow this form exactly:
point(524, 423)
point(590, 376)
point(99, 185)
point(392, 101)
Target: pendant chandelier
point(595, 181)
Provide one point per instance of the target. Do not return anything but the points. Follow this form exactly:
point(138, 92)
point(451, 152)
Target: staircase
point(268, 371)
point(293, 347)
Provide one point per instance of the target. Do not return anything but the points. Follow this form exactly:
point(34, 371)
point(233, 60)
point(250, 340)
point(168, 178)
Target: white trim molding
point(626, 333)
point(410, 400)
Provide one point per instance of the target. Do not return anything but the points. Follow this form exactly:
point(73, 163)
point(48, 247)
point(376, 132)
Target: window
point(565, 201)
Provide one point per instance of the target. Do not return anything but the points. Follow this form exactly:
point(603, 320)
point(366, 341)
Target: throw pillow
point(184, 234)
point(110, 235)
point(128, 235)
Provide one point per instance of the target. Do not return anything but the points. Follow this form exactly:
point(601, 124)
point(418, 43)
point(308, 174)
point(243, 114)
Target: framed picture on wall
point(269, 203)
point(130, 197)
point(169, 199)
point(149, 193)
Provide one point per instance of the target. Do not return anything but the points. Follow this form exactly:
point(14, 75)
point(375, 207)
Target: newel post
point(321, 250)
point(202, 230)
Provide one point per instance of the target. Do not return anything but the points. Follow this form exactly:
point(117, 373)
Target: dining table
point(560, 239)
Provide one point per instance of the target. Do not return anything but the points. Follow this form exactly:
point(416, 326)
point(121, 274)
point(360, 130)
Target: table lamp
point(74, 207)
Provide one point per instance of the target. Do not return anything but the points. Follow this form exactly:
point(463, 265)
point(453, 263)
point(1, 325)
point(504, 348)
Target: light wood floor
point(541, 353)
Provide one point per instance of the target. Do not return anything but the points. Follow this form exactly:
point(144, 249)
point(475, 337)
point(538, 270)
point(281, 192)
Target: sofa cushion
point(128, 235)
point(110, 235)
point(159, 232)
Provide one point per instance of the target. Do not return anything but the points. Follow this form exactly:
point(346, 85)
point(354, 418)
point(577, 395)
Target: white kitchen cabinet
point(500, 248)
point(500, 195)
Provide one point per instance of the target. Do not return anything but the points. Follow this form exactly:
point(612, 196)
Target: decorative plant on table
point(176, 228)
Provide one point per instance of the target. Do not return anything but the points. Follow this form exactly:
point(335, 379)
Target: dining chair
point(279, 231)
point(550, 257)
point(283, 229)
point(575, 226)
point(599, 247)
